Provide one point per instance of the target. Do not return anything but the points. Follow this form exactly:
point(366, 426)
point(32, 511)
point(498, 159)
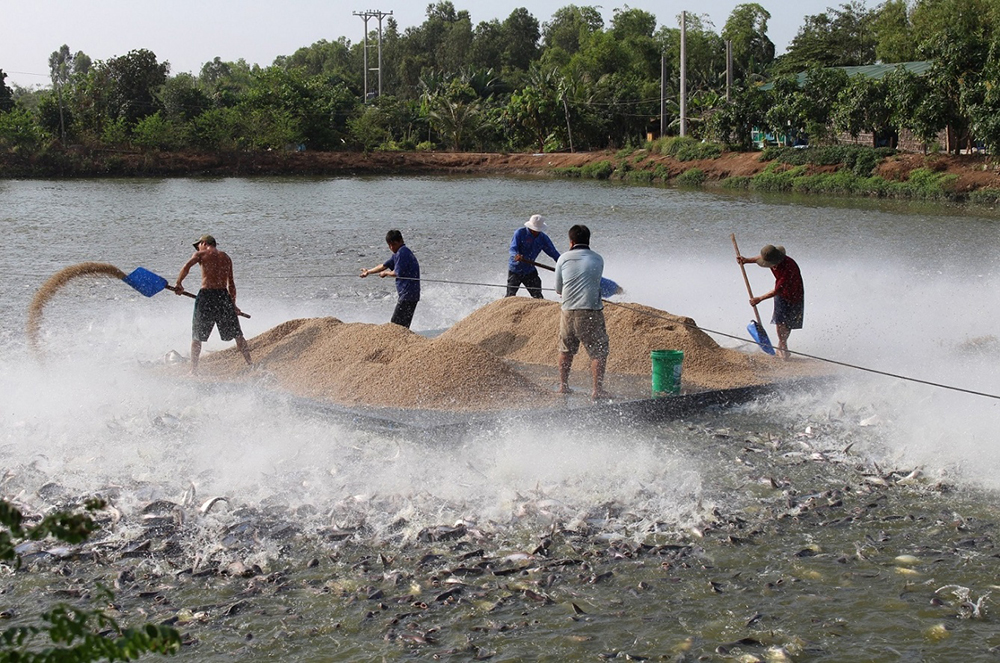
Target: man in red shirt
point(788, 293)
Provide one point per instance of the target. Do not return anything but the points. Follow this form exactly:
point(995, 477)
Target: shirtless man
point(216, 301)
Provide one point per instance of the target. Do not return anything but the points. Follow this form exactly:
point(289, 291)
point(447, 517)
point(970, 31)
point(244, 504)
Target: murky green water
point(851, 522)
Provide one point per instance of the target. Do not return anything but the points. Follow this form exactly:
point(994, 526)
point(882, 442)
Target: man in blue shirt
point(404, 267)
point(578, 280)
point(525, 246)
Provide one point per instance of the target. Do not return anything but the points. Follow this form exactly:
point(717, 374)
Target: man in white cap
point(527, 243)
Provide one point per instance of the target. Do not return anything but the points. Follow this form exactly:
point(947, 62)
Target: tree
point(983, 102)
point(520, 33)
point(753, 51)
point(183, 98)
point(864, 105)
point(894, 38)
point(6, 94)
point(570, 28)
point(734, 122)
point(533, 113)
point(917, 104)
point(19, 131)
point(332, 60)
point(128, 85)
point(836, 38)
point(706, 51)
point(63, 69)
point(456, 113)
point(68, 633)
point(225, 82)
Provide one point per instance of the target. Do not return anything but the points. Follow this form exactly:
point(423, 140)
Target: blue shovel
point(608, 287)
point(148, 283)
point(755, 328)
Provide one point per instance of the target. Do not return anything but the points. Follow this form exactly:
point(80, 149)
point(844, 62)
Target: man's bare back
point(216, 270)
point(216, 274)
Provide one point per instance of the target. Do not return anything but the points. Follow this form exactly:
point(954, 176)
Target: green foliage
point(923, 184)
point(533, 111)
point(982, 101)
point(639, 176)
point(734, 122)
point(218, 129)
point(115, 133)
point(864, 105)
point(455, 113)
point(985, 196)
point(837, 37)
point(856, 158)
point(155, 132)
point(588, 86)
point(894, 38)
point(69, 633)
point(6, 94)
point(599, 170)
point(774, 179)
point(753, 50)
point(691, 177)
point(19, 131)
point(737, 183)
point(127, 85)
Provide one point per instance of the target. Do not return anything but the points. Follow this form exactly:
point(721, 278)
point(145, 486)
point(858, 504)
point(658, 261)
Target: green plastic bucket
point(666, 372)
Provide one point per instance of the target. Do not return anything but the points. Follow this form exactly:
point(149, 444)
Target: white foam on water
point(100, 410)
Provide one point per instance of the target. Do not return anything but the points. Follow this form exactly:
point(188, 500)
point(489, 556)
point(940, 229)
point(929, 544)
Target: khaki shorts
point(583, 326)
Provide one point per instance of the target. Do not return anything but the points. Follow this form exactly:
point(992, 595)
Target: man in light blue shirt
point(578, 280)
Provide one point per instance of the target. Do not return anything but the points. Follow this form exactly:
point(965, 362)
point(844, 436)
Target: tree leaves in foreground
point(69, 633)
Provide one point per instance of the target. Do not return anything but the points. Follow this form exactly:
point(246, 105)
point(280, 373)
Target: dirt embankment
point(973, 171)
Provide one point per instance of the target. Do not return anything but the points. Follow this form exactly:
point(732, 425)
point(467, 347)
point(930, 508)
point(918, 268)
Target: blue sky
point(188, 33)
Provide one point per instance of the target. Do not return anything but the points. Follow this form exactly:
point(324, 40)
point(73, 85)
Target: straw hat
point(536, 223)
point(771, 255)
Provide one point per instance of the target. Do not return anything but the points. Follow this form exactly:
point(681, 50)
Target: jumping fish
point(208, 504)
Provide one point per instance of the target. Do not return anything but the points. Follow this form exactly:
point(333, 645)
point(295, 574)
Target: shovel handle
point(745, 279)
point(188, 294)
point(538, 264)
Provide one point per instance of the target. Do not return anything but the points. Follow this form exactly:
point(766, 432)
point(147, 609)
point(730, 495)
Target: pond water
point(854, 522)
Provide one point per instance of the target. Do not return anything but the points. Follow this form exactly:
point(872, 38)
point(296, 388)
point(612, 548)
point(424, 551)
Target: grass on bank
point(788, 172)
point(922, 184)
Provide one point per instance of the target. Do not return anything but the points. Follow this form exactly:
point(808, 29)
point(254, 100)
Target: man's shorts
point(214, 307)
point(788, 313)
point(583, 326)
point(403, 313)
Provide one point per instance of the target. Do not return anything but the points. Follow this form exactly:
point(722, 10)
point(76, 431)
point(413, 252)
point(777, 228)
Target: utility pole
point(365, 15)
point(663, 95)
point(683, 73)
point(729, 68)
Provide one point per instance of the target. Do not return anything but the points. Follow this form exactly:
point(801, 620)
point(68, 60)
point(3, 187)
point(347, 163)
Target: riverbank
point(961, 177)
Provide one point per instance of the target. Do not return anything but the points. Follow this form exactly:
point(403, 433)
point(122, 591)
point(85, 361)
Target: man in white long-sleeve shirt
point(578, 280)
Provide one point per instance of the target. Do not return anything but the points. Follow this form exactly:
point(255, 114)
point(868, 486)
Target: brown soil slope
point(973, 171)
